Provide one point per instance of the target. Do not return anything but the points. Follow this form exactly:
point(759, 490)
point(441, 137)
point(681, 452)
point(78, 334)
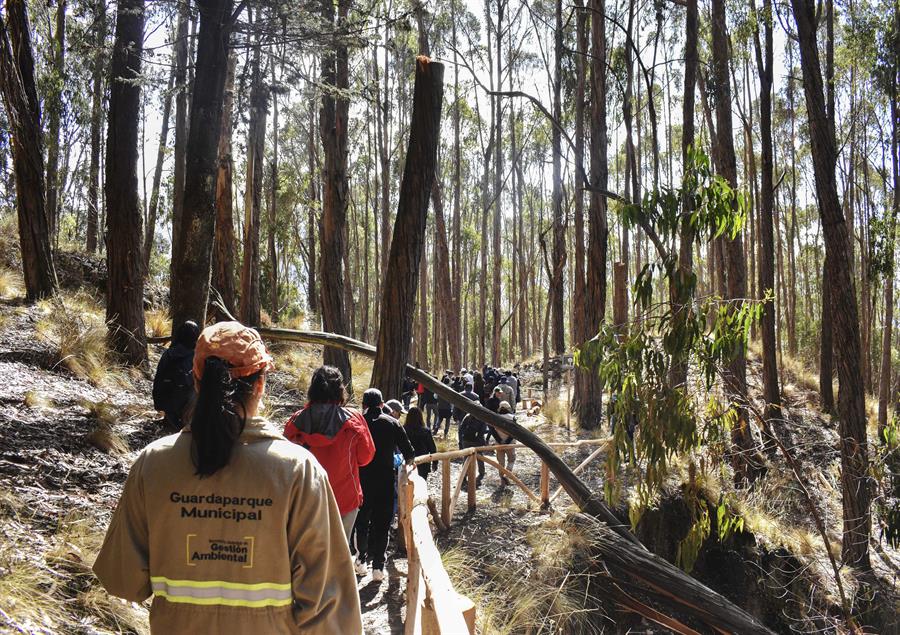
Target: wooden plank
point(545, 485)
point(445, 600)
point(414, 591)
point(445, 491)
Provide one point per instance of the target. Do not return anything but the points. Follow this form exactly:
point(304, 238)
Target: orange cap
point(238, 345)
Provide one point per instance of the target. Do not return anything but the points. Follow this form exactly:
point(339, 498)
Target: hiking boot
point(361, 568)
point(377, 575)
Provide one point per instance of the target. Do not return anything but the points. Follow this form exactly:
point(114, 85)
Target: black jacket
point(388, 436)
point(173, 385)
point(472, 431)
point(423, 443)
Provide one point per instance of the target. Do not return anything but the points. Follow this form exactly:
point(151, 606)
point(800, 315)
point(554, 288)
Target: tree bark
point(395, 328)
point(124, 261)
point(590, 407)
point(743, 459)
point(273, 212)
point(496, 294)
point(312, 220)
point(764, 64)
point(157, 174)
point(256, 139)
point(23, 112)
point(455, 345)
point(54, 101)
point(333, 122)
point(97, 65)
point(190, 290)
point(181, 139)
point(851, 399)
point(224, 247)
point(884, 385)
point(678, 290)
point(557, 301)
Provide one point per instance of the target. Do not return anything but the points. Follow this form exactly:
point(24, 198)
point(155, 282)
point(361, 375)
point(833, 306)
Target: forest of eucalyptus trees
point(597, 160)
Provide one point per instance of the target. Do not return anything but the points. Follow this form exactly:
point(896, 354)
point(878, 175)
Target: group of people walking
point(236, 525)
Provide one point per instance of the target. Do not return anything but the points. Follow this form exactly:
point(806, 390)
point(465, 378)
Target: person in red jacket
point(338, 437)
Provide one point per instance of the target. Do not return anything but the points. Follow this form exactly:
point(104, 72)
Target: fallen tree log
point(625, 558)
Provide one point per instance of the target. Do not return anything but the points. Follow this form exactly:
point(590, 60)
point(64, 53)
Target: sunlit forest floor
point(71, 422)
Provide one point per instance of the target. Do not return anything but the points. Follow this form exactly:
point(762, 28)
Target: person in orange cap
point(231, 527)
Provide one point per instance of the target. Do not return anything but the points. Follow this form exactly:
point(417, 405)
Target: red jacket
point(339, 438)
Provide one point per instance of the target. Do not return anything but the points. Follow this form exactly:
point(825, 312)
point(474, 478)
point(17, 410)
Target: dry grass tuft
point(12, 285)
point(157, 322)
point(36, 400)
point(73, 324)
point(107, 440)
point(554, 411)
point(297, 360)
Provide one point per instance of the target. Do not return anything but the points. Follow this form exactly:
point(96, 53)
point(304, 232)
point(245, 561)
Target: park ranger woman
point(232, 528)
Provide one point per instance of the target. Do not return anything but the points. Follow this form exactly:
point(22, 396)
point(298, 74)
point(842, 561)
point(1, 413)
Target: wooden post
point(568, 401)
point(545, 486)
point(445, 492)
point(473, 464)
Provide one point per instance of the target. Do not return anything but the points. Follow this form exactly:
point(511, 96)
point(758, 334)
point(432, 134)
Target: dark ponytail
point(218, 420)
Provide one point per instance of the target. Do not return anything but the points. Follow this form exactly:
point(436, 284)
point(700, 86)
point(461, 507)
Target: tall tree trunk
point(764, 64)
point(678, 289)
point(124, 262)
point(884, 386)
point(23, 112)
point(395, 328)
point(736, 269)
point(190, 294)
point(312, 218)
point(590, 406)
point(273, 212)
point(333, 121)
point(157, 174)
point(496, 310)
point(457, 290)
point(851, 398)
point(97, 67)
point(54, 101)
point(256, 139)
point(224, 248)
point(557, 301)
point(181, 140)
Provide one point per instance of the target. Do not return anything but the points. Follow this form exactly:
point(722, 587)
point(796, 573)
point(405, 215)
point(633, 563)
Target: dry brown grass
point(544, 594)
point(55, 591)
point(73, 324)
point(12, 285)
point(157, 322)
point(37, 400)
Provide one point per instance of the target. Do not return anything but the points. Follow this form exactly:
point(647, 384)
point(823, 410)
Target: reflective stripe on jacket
point(258, 547)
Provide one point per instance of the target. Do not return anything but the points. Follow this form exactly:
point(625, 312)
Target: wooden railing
point(432, 604)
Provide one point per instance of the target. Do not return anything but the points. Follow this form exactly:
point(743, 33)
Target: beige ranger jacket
point(256, 548)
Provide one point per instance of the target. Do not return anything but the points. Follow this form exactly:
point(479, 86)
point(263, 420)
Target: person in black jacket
point(445, 411)
point(173, 384)
point(374, 520)
point(473, 434)
point(421, 439)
